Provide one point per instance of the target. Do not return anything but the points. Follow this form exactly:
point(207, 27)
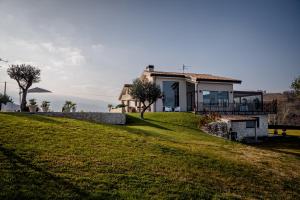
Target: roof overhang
point(189, 77)
point(169, 75)
point(219, 81)
point(246, 93)
point(238, 118)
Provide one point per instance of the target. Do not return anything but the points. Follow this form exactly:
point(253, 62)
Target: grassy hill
point(165, 156)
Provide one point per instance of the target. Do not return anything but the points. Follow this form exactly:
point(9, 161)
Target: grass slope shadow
point(43, 184)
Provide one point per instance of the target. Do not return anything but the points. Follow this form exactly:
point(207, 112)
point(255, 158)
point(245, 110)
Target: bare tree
point(25, 75)
point(145, 92)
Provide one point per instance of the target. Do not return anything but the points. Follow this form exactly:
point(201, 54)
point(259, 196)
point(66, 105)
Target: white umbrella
point(38, 90)
point(35, 90)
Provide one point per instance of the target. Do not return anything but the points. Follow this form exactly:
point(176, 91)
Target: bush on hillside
point(206, 119)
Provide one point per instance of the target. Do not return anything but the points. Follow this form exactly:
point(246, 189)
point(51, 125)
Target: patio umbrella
point(35, 90)
point(38, 90)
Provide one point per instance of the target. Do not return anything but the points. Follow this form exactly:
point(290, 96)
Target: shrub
point(121, 106)
point(5, 99)
point(32, 102)
point(206, 119)
point(45, 104)
point(68, 106)
point(203, 121)
point(214, 116)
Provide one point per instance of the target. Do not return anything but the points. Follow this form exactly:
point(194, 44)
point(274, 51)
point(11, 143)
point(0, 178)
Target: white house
point(201, 93)
point(194, 92)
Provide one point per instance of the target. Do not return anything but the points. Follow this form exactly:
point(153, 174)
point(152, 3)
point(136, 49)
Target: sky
point(89, 49)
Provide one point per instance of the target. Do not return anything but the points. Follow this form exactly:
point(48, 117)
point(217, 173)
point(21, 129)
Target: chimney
point(150, 68)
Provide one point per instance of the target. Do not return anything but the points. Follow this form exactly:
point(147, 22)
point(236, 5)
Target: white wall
point(242, 131)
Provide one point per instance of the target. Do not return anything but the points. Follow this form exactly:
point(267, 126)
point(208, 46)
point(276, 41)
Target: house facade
point(203, 93)
point(183, 91)
point(196, 92)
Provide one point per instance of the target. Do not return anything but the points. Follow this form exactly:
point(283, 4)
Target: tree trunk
point(23, 102)
point(142, 113)
point(144, 109)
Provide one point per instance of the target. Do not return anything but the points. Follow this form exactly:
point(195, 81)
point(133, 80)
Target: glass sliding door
point(170, 94)
point(216, 98)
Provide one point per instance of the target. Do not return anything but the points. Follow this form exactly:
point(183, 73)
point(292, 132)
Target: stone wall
point(106, 118)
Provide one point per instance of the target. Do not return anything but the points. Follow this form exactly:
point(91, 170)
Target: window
point(171, 94)
point(216, 98)
point(250, 124)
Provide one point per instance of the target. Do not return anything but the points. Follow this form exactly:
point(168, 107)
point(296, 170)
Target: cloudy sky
point(89, 48)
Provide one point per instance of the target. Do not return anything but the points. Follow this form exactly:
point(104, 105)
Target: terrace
point(244, 103)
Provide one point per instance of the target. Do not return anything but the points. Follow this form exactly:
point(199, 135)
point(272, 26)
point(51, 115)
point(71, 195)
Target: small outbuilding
point(247, 126)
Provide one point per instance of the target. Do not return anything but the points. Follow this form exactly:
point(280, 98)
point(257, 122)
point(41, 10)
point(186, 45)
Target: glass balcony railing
point(238, 108)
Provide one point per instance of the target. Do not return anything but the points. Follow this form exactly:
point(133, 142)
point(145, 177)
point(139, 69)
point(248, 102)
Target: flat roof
point(238, 118)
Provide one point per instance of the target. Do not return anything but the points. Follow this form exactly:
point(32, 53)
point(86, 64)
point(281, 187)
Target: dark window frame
point(250, 124)
point(171, 92)
point(257, 122)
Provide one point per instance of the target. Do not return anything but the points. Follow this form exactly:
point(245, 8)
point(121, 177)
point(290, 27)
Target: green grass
point(288, 132)
point(163, 157)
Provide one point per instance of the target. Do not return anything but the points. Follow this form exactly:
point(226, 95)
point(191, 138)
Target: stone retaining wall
point(99, 117)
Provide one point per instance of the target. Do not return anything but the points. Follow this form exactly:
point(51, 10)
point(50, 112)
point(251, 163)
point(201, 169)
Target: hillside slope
point(165, 156)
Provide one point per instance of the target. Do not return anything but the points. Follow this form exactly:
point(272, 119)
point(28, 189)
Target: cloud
point(46, 55)
point(57, 62)
point(69, 55)
point(60, 64)
point(50, 52)
point(98, 47)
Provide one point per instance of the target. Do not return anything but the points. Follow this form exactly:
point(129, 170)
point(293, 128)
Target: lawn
point(164, 157)
point(288, 132)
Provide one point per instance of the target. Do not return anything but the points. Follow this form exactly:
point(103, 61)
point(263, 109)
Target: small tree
point(296, 85)
point(25, 75)
point(145, 92)
point(4, 99)
point(68, 106)
point(109, 106)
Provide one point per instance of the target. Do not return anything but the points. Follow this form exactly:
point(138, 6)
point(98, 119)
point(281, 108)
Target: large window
point(216, 98)
point(250, 124)
point(171, 94)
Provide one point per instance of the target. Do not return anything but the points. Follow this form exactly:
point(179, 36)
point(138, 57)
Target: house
point(199, 93)
point(184, 91)
point(196, 92)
